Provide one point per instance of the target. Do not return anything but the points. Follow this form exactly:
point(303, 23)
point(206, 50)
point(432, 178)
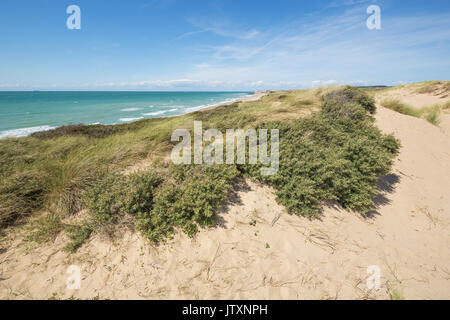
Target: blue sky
point(220, 45)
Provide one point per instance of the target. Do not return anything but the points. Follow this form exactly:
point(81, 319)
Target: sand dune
point(280, 256)
point(418, 95)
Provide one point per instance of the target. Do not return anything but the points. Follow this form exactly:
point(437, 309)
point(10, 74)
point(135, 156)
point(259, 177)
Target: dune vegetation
point(440, 88)
point(429, 113)
point(330, 150)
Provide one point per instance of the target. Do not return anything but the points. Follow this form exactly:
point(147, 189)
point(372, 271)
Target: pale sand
point(407, 237)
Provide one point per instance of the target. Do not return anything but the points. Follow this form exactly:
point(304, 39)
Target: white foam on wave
point(154, 113)
point(197, 108)
point(131, 109)
point(192, 109)
point(23, 132)
point(130, 119)
point(186, 109)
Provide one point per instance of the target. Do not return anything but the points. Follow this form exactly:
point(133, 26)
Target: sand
point(282, 256)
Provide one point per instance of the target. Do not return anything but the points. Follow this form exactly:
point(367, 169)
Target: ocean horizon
point(25, 112)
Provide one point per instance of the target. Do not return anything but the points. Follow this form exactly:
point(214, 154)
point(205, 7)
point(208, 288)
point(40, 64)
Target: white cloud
point(338, 47)
point(220, 27)
point(314, 50)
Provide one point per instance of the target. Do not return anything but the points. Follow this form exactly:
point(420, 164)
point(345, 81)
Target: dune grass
point(329, 150)
point(433, 87)
point(432, 114)
point(45, 228)
point(429, 113)
point(446, 106)
point(394, 291)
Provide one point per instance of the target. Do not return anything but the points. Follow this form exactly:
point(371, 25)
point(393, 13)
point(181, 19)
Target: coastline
point(25, 132)
point(254, 97)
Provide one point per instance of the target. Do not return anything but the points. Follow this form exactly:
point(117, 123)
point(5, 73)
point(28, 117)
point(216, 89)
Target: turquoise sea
point(22, 113)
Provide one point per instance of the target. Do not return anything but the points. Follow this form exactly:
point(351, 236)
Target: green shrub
point(191, 201)
point(77, 235)
point(337, 154)
point(139, 192)
point(350, 94)
point(158, 223)
point(103, 198)
point(114, 194)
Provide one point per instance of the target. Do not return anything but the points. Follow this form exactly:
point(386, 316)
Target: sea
point(22, 113)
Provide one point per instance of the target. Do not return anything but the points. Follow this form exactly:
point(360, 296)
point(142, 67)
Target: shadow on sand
point(233, 199)
point(386, 185)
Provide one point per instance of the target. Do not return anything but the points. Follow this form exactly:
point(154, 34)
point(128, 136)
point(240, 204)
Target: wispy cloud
point(220, 27)
point(336, 47)
point(342, 3)
point(213, 48)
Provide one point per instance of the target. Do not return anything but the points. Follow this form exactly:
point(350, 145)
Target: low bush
point(189, 201)
point(77, 235)
point(103, 198)
point(352, 95)
point(138, 195)
point(115, 194)
point(337, 154)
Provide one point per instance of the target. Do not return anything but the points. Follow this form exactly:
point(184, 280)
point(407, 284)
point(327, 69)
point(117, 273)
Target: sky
point(209, 45)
